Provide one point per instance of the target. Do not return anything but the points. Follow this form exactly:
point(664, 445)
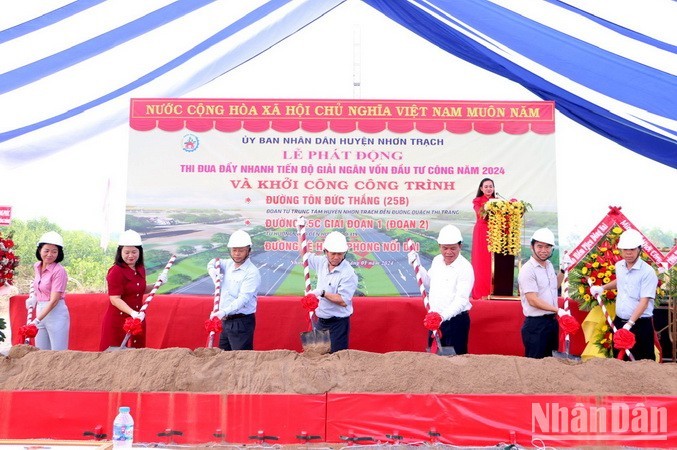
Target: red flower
point(569, 324)
point(214, 325)
point(610, 295)
point(28, 331)
point(432, 321)
point(309, 302)
point(624, 339)
point(132, 326)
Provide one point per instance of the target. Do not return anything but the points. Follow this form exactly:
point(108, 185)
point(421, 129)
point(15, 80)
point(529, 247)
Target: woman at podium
point(480, 256)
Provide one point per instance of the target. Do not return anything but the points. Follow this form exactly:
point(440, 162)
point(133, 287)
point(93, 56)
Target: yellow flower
point(584, 270)
point(581, 289)
point(606, 280)
point(617, 230)
point(587, 297)
point(595, 264)
point(600, 275)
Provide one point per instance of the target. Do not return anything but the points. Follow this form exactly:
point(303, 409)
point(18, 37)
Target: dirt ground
point(285, 371)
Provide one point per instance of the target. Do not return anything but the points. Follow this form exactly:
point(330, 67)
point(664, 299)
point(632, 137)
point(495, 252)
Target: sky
point(354, 44)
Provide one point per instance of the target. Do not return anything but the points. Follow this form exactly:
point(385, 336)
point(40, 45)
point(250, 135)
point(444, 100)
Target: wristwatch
point(322, 294)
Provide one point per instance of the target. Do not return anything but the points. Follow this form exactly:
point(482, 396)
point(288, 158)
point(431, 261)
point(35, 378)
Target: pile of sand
point(284, 371)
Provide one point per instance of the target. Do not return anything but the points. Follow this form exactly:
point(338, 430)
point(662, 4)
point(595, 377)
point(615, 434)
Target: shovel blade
point(114, 349)
point(316, 341)
point(566, 357)
point(442, 351)
point(446, 351)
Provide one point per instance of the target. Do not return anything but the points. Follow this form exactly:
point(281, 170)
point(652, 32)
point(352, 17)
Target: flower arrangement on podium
point(504, 221)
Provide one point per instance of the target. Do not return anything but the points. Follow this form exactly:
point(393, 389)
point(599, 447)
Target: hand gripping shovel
point(436, 346)
point(566, 356)
point(312, 341)
point(146, 302)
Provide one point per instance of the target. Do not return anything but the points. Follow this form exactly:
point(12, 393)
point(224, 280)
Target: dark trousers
point(540, 336)
point(644, 337)
point(454, 333)
point(238, 332)
point(339, 329)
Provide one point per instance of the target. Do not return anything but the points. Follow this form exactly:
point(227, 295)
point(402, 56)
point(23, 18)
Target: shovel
point(313, 341)
point(156, 286)
point(437, 343)
point(566, 356)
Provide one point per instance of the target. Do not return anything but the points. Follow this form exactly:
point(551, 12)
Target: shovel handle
point(304, 257)
point(424, 294)
point(217, 299)
point(306, 268)
point(157, 284)
point(29, 313)
point(608, 319)
point(125, 340)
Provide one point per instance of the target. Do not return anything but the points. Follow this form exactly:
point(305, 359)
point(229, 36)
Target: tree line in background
point(87, 262)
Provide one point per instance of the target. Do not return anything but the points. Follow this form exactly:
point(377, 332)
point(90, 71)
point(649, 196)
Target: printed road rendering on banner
point(380, 171)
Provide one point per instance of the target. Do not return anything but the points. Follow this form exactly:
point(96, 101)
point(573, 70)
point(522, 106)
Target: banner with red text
point(380, 171)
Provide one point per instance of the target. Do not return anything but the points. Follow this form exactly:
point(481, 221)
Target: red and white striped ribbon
point(151, 294)
point(610, 321)
point(31, 310)
point(306, 268)
point(217, 298)
point(424, 296)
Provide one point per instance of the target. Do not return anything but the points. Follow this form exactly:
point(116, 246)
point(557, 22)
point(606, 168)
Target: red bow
point(432, 321)
point(214, 324)
point(28, 331)
point(132, 326)
point(614, 210)
point(624, 339)
point(309, 302)
point(569, 324)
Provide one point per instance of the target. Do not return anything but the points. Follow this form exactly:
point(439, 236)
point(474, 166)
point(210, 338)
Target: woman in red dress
point(480, 257)
point(126, 287)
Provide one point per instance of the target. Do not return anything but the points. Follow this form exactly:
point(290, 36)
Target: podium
point(503, 274)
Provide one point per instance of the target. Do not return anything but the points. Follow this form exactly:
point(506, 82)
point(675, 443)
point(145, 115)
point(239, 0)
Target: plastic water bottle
point(123, 429)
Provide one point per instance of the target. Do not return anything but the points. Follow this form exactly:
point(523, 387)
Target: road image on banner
point(381, 172)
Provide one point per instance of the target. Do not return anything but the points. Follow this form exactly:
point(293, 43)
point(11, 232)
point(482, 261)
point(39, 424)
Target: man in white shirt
point(449, 283)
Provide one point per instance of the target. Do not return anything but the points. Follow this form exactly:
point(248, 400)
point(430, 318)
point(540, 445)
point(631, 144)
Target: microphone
point(500, 196)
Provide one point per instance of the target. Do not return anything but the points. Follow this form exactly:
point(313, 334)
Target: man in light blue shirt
point(239, 286)
point(636, 282)
point(336, 285)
